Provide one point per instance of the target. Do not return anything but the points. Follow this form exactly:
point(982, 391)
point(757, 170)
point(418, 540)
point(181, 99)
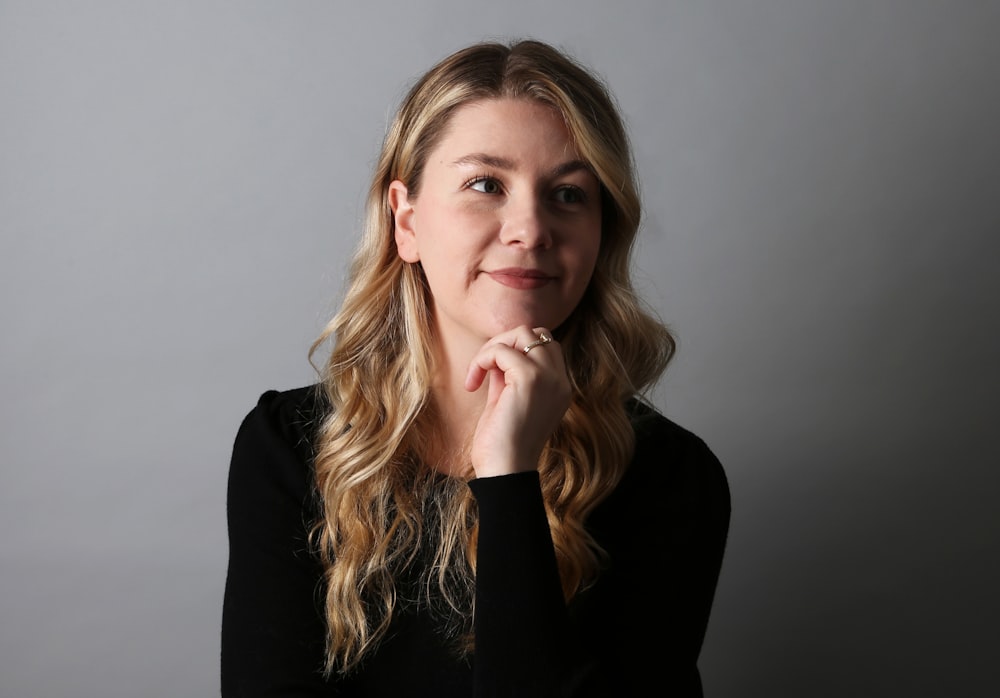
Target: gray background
point(179, 190)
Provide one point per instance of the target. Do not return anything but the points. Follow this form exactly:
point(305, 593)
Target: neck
point(457, 409)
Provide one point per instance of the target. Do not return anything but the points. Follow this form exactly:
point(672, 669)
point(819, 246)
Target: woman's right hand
point(528, 394)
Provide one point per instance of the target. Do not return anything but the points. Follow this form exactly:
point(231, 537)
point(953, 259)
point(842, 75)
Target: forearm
point(520, 621)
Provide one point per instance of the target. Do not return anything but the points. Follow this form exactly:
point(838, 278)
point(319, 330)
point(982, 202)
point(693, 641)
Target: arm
point(272, 632)
point(641, 625)
point(521, 621)
point(665, 529)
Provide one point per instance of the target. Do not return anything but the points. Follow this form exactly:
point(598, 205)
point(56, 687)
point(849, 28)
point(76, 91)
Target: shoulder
point(658, 438)
point(674, 463)
point(273, 449)
point(291, 416)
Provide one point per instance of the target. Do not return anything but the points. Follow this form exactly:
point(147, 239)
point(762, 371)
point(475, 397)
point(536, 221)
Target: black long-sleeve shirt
point(637, 631)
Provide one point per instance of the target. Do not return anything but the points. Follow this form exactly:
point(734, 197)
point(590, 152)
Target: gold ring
point(542, 339)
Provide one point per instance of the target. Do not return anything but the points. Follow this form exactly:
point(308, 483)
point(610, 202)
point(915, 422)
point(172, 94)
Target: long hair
point(384, 515)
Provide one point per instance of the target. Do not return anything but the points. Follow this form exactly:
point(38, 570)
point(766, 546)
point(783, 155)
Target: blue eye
point(570, 195)
point(486, 185)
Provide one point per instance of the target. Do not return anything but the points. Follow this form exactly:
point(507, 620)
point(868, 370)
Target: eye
point(486, 185)
point(569, 195)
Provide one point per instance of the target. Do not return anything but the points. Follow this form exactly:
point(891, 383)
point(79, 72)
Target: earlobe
point(403, 214)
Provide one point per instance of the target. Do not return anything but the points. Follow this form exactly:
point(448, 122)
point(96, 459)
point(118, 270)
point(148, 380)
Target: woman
point(475, 500)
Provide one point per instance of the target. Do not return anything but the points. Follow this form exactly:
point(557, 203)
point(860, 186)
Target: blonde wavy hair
point(384, 515)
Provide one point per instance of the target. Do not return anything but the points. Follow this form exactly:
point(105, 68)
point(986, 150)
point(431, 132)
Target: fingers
point(528, 394)
point(516, 349)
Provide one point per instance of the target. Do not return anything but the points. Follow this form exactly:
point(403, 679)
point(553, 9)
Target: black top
point(637, 631)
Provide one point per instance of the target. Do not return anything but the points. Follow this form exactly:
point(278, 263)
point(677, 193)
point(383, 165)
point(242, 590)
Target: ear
point(403, 216)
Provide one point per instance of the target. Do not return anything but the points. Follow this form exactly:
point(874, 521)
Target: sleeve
point(272, 631)
point(643, 622)
point(638, 630)
point(520, 621)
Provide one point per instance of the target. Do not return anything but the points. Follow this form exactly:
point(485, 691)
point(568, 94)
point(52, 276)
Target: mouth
point(521, 278)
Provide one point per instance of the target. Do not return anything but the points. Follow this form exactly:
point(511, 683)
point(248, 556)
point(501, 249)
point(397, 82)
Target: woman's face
point(507, 224)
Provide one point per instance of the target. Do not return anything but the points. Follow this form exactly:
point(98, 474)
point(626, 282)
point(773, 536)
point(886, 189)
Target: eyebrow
point(499, 163)
point(483, 159)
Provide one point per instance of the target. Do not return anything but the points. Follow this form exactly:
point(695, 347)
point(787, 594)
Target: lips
point(521, 278)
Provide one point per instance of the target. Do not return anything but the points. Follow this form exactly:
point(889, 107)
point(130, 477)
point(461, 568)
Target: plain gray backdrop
point(180, 188)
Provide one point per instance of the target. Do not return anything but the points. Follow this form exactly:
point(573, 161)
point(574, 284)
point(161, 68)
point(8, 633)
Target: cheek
point(589, 251)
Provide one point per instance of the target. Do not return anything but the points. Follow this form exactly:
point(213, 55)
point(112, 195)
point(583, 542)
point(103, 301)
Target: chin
point(509, 322)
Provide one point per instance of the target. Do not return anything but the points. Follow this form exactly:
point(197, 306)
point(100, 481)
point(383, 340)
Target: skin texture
point(507, 228)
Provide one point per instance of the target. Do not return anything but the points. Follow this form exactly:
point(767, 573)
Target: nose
point(525, 224)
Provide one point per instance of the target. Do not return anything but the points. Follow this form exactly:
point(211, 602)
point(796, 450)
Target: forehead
point(507, 127)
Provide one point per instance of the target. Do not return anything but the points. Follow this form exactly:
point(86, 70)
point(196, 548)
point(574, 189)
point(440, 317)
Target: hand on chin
point(528, 392)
